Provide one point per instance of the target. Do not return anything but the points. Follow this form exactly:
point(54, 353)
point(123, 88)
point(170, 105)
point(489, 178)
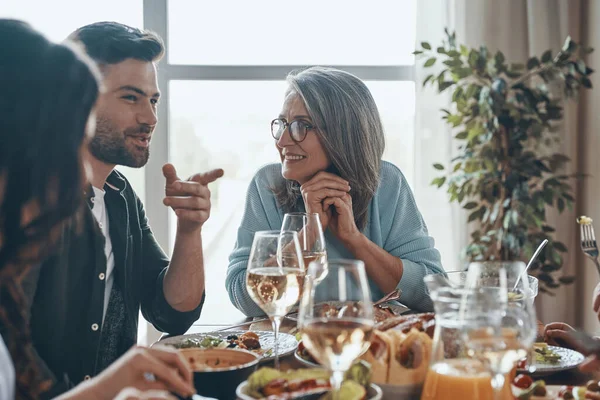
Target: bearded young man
point(86, 299)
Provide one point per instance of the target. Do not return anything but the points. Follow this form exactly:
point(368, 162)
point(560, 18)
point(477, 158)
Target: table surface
point(572, 377)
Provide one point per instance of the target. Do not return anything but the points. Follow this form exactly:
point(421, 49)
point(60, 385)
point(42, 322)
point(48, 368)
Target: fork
point(588, 243)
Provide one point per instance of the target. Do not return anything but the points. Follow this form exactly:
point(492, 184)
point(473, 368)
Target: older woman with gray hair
point(330, 139)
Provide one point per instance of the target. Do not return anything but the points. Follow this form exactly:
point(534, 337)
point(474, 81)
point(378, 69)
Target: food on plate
point(207, 342)
point(395, 357)
point(381, 313)
point(409, 357)
point(246, 341)
point(572, 392)
point(579, 392)
point(537, 388)
point(424, 322)
point(583, 220)
point(269, 383)
point(544, 355)
point(522, 381)
point(400, 355)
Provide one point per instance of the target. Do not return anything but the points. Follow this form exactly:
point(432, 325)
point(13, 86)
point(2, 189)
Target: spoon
point(533, 257)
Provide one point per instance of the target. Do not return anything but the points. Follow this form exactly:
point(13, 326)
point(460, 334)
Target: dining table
point(572, 377)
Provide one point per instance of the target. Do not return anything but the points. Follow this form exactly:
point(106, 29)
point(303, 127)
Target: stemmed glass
point(496, 330)
point(336, 316)
point(275, 276)
point(310, 235)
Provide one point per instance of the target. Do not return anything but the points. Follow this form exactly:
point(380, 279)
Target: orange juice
point(463, 379)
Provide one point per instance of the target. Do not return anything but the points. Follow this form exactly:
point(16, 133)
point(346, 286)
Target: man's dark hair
point(112, 42)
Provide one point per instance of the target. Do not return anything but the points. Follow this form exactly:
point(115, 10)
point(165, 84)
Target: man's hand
point(189, 199)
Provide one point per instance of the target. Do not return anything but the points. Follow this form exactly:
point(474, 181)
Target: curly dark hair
point(48, 92)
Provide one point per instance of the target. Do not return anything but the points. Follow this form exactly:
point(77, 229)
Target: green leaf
point(559, 246)
point(547, 56)
point(417, 52)
point(427, 79)
point(585, 81)
point(426, 45)
point(471, 205)
point(457, 167)
point(441, 50)
point(474, 215)
point(455, 119)
point(561, 205)
point(438, 181)
point(429, 62)
point(532, 63)
point(566, 280)
point(439, 167)
point(453, 62)
point(581, 67)
point(444, 85)
point(461, 135)
point(499, 58)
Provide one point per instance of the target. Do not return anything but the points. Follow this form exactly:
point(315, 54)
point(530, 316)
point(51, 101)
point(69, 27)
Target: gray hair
point(349, 128)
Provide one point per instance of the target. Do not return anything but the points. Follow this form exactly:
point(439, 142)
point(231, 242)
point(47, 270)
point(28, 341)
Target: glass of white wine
point(310, 235)
point(275, 276)
point(335, 316)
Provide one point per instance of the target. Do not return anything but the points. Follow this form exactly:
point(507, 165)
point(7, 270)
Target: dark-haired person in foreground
point(115, 266)
point(48, 95)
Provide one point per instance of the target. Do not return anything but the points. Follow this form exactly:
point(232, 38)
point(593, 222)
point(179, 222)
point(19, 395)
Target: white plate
point(374, 392)
point(287, 343)
point(569, 359)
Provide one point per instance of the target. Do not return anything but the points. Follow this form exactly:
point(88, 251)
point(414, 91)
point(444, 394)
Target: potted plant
point(504, 118)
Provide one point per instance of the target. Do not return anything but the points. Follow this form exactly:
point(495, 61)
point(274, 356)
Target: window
point(272, 32)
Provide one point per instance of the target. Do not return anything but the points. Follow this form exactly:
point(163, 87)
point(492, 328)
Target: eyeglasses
point(298, 129)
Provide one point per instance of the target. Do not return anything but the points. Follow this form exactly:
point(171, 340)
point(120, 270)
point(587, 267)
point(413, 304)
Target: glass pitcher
point(451, 370)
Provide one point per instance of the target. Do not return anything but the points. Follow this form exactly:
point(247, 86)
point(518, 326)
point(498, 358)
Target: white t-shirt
point(7, 373)
point(100, 212)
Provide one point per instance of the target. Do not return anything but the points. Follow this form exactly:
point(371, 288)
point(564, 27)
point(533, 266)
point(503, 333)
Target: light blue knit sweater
point(394, 223)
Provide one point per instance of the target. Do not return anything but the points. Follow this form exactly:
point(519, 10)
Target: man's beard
point(108, 145)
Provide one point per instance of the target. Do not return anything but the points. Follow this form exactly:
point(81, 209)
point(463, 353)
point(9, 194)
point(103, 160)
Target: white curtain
point(519, 29)
point(434, 144)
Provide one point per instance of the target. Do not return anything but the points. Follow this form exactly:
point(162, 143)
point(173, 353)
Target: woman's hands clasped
point(328, 195)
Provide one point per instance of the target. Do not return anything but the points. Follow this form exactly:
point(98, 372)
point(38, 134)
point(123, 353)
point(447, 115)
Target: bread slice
point(378, 355)
point(410, 356)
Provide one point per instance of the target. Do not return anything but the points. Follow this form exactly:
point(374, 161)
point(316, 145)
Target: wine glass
point(310, 235)
point(275, 276)
point(496, 330)
point(336, 316)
